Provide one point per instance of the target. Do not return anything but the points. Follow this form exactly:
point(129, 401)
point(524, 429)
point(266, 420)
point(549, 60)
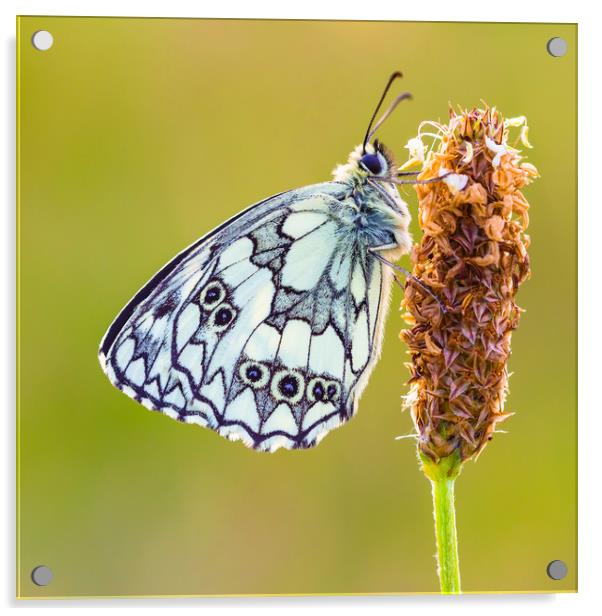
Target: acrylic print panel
point(138, 136)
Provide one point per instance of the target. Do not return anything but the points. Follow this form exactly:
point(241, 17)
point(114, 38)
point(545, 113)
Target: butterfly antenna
point(387, 113)
point(392, 78)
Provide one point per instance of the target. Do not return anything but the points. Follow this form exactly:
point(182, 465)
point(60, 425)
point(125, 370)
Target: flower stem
point(442, 476)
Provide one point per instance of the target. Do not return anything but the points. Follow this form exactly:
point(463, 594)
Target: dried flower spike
point(473, 255)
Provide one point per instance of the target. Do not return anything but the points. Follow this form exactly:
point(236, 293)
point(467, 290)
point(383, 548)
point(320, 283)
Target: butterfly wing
point(265, 330)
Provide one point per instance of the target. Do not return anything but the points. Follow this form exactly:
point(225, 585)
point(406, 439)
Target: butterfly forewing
point(265, 330)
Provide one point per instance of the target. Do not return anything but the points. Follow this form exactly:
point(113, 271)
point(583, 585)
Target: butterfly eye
point(288, 385)
point(212, 294)
point(254, 374)
point(373, 163)
point(222, 316)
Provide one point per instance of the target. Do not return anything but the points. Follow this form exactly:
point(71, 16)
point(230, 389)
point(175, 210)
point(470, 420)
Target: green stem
point(442, 476)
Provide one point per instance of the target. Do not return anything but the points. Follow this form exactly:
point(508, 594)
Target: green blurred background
point(139, 135)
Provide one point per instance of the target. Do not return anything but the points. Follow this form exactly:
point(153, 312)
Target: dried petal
point(456, 182)
point(416, 148)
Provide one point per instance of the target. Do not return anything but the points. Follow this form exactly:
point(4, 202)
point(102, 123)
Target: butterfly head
point(372, 160)
point(376, 160)
point(374, 163)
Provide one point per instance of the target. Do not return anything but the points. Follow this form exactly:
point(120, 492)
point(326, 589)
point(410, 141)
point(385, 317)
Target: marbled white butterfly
point(267, 328)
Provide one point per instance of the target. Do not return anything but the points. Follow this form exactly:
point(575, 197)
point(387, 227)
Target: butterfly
point(267, 328)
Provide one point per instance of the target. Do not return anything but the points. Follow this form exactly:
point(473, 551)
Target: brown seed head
point(473, 255)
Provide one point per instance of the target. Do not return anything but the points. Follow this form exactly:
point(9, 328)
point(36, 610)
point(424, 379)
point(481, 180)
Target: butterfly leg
point(413, 182)
point(416, 181)
point(408, 276)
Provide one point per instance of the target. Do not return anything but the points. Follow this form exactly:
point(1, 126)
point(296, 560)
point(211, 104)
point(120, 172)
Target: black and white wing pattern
point(265, 330)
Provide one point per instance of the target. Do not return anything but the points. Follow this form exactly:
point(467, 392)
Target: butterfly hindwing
point(265, 330)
